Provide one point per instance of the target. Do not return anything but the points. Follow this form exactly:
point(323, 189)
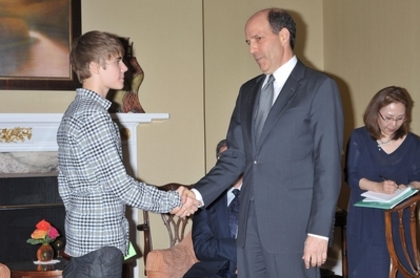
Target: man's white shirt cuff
point(318, 236)
point(198, 196)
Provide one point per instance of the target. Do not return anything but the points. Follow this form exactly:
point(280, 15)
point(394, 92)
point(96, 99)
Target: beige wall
point(369, 45)
point(195, 58)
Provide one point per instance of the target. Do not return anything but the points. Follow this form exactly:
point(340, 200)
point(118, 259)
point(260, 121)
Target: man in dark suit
point(292, 168)
point(214, 246)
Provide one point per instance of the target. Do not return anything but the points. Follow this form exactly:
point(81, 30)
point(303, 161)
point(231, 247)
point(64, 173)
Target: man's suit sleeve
point(327, 128)
point(229, 167)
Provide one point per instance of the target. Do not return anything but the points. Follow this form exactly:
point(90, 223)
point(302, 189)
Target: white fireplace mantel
point(37, 131)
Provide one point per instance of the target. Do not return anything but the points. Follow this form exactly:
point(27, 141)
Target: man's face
point(266, 47)
point(112, 74)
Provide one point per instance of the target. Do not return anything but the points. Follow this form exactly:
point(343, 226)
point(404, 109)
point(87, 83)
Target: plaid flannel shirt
point(93, 182)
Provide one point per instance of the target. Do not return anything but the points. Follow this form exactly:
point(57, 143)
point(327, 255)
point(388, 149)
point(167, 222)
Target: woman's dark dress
point(367, 252)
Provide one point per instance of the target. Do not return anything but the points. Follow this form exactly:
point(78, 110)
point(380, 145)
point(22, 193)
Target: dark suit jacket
point(295, 168)
point(213, 245)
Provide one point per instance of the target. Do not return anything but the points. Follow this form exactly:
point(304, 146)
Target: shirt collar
point(106, 104)
point(232, 188)
point(230, 195)
point(282, 73)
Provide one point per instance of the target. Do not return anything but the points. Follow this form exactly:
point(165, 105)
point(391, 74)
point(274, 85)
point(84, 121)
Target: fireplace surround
point(24, 202)
point(28, 176)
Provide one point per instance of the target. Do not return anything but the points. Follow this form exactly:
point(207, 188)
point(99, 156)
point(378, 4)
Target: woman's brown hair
point(381, 99)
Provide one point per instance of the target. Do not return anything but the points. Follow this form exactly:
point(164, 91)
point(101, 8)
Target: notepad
point(387, 203)
point(386, 198)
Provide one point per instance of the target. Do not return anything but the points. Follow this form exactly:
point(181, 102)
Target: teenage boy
point(92, 180)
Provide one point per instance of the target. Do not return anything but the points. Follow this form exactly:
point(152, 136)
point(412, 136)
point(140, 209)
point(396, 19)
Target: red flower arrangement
point(44, 233)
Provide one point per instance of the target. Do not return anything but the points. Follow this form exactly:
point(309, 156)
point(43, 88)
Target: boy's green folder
point(386, 205)
point(131, 252)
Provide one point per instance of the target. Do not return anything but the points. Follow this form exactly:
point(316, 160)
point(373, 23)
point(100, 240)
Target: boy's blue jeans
point(105, 262)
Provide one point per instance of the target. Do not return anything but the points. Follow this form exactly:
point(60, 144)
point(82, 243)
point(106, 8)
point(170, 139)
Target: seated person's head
point(221, 147)
point(94, 46)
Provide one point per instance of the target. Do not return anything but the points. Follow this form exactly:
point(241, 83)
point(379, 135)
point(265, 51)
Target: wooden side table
point(30, 270)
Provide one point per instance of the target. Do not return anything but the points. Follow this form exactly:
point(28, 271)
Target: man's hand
point(185, 193)
point(315, 251)
point(189, 203)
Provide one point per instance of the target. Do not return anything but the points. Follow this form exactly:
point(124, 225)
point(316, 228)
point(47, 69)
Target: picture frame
point(34, 51)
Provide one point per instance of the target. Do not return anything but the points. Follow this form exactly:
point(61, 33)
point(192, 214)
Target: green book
point(386, 204)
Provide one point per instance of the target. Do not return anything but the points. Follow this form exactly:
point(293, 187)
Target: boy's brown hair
point(93, 46)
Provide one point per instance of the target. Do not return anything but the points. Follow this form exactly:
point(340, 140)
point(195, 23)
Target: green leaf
point(34, 241)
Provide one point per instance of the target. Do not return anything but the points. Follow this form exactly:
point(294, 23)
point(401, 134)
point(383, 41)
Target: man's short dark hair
point(221, 144)
point(279, 19)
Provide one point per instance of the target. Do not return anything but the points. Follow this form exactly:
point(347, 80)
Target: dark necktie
point(233, 211)
point(266, 101)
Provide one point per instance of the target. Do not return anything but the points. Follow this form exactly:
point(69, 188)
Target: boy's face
point(112, 74)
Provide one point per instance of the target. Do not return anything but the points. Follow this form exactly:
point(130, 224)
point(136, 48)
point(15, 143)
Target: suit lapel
point(286, 95)
point(251, 106)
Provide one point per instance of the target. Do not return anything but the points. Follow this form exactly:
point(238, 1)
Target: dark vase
point(45, 253)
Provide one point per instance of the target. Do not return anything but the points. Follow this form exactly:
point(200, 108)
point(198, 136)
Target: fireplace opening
point(24, 201)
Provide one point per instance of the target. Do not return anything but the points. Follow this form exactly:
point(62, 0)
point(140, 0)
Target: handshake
point(189, 203)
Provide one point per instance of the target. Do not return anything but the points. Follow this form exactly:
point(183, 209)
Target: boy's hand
point(175, 210)
point(189, 203)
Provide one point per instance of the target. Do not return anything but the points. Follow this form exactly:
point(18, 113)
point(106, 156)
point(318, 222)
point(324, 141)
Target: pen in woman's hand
point(385, 179)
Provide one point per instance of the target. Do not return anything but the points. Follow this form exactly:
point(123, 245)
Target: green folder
point(386, 205)
point(131, 252)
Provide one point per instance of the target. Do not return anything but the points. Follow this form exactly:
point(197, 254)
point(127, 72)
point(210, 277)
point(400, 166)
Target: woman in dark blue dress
point(383, 147)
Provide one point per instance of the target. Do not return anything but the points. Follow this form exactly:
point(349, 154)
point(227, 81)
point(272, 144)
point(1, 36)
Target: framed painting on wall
point(35, 42)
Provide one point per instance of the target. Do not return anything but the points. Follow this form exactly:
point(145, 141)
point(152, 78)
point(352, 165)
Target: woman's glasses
point(390, 119)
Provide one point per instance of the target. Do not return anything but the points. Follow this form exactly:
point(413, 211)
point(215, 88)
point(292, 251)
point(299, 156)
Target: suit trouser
point(256, 262)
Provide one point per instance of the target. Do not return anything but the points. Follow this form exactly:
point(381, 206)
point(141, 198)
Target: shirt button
point(255, 161)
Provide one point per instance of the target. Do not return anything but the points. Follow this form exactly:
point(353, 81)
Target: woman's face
point(391, 117)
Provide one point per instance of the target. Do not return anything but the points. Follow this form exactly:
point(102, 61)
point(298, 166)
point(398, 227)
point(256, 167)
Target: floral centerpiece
point(44, 233)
